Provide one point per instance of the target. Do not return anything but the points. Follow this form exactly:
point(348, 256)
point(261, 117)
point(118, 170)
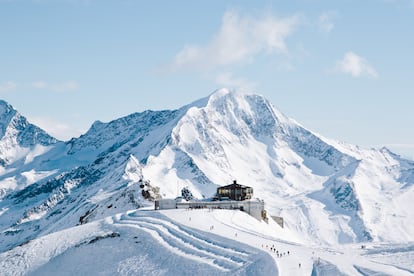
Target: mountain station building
point(235, 191)
point(233, 197)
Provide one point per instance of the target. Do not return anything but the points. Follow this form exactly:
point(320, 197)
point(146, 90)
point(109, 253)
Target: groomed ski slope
point(135, 243)
point(189, 242)
point(374, 259)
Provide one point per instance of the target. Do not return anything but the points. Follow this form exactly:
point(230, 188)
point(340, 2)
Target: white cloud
point(356, 66)
point(325, 21)
point(229, 81)
point(39, 84)
point(55, 128)
point(67, 86)
point(239, 39)
point(7, 86)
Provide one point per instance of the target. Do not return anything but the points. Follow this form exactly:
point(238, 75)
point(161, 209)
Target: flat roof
point(235, 185)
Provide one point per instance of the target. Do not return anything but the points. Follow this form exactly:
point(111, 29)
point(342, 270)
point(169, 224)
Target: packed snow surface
point(334, 197)
point(182, 242)
point(136, 243)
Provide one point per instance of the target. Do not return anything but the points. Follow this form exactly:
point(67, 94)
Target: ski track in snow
point(330, 194)
point(345, 260)
point(197, 237)
point(186, 244)
point(48, 253)
point(172, 235)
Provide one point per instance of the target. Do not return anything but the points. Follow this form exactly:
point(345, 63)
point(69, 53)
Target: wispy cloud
point(7, 86)
point(239, 39)
point(227, 80)
point(39, 84)
point(356, 66)
point(325, 21)
point(67, 86)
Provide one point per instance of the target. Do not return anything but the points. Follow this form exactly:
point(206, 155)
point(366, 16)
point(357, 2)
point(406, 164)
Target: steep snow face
point(327, 192)
point(316, 186)
point(132, 131)
point(251, 123)
point(384, 186)
point(17, 136)
point(20, 144)
point(100, 173)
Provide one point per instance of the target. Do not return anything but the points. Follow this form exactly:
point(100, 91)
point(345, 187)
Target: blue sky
point(344, 69)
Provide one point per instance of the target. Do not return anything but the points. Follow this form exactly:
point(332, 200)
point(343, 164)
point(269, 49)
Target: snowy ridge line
point(197, 237)
point(182, 241)
point(177, 250)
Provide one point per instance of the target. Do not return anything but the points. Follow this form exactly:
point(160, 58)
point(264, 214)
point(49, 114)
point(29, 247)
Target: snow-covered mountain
point(18, 138)
point(328, 192)
point(20, 143)
point(17, 132)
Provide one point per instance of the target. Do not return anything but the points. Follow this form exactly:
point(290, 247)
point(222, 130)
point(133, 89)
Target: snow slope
point(135, 243)
point(184, 242)
point(20, 143)
point(314, 260)
point(301, 176)
point(330, 194)
point(19, 138)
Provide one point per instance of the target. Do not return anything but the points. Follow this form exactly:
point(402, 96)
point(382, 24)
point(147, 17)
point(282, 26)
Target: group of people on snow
point(278, 254)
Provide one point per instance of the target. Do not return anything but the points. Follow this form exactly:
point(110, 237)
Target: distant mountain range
point(327, 192)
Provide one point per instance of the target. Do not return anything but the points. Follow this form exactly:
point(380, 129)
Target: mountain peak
point(7, 112)
point(226, 94)
point(3, 103)
point(244, 101)
point(16, 134)
point(224, 136)
point(252, 110)
point(222, 92)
